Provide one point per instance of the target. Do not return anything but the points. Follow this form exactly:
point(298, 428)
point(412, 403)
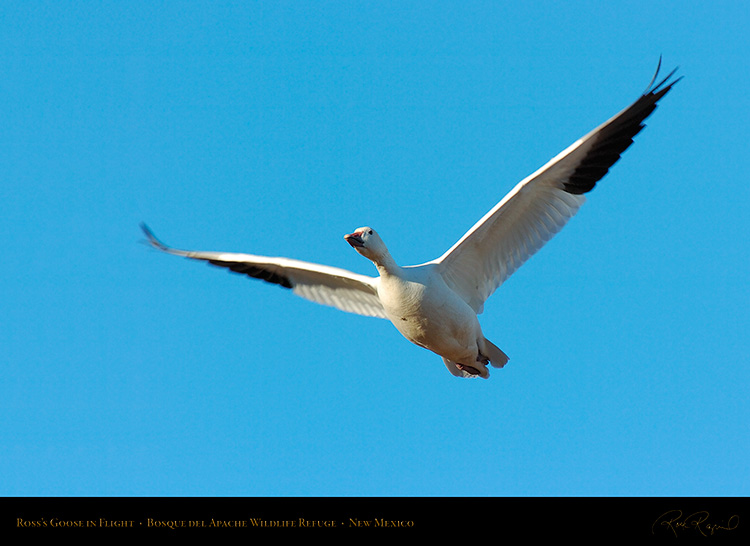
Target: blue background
point(274, 128)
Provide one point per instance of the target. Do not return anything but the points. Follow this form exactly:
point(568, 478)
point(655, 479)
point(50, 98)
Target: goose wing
point(331, 286)
point(541, 204)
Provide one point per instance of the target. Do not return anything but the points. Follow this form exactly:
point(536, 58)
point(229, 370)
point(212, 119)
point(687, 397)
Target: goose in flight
point(435, 304)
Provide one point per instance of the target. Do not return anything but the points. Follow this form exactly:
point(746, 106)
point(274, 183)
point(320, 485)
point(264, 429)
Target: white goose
point(435, 304)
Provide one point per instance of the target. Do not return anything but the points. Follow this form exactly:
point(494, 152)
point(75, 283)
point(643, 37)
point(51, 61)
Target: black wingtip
point(656, 74)
point(152, 240)
point(617, 136)
point(652, 89)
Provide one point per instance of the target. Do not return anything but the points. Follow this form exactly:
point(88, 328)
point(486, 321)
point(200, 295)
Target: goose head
point(368, 243)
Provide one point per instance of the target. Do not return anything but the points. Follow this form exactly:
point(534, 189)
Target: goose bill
point(354, 239)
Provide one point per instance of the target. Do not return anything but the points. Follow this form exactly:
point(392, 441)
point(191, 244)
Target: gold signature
point(696, 521)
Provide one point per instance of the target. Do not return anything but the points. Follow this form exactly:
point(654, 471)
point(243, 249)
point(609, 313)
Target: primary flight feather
point(435, 304)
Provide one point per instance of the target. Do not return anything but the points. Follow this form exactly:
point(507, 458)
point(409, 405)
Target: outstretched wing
point(332, 286)
point(541, 204)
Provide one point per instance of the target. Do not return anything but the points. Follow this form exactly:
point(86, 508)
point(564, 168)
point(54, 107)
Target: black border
point(658, 518)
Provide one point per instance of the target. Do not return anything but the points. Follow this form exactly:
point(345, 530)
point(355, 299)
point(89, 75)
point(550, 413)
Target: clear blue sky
point(277, 127)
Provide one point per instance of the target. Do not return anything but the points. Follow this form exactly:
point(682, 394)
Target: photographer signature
point(696, 521)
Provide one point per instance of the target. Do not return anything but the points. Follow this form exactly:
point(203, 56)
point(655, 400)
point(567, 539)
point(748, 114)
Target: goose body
point(430, 314)
point(435, 304)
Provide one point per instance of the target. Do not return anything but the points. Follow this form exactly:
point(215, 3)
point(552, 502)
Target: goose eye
point(370, 232)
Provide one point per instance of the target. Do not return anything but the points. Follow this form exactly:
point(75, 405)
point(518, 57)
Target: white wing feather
point(505, 238)
point(541, 204)
point(322, 284)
